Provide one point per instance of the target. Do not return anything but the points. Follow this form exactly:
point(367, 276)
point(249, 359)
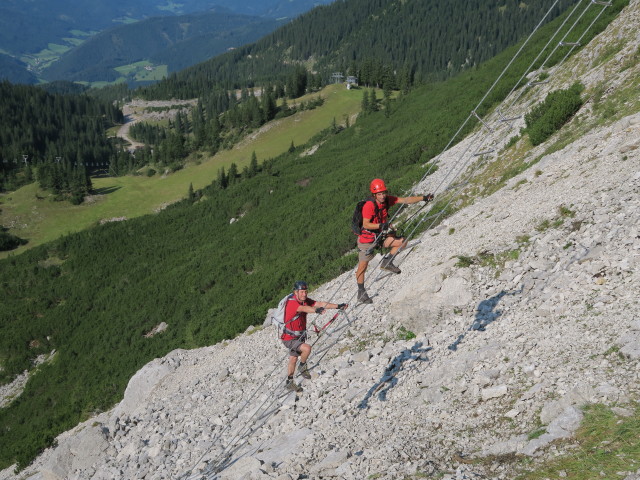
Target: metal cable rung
point(482, 121)
point(485, 152)
point(569, 44)
point(541, 82)
point(599, 2)
point(505, 120)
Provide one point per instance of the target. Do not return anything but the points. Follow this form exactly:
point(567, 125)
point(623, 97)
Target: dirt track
point(137, 111)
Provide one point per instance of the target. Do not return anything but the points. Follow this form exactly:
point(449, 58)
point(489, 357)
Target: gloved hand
point(428, 197)
point(319, 310)
point(384, 226)
point(342, 306)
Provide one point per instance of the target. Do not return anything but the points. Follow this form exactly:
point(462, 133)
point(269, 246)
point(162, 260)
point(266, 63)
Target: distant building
point(352, 80)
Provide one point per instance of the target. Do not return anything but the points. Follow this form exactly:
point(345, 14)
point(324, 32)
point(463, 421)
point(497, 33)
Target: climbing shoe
point(304, 371)
point(292, 386)
point(363, 297)
point(387, 264)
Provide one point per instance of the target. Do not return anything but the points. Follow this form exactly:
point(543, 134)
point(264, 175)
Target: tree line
point(380, 41)
point(220, 120)
point(55, 139)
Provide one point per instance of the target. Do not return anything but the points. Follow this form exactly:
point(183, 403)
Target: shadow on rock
point(486, 313)
point(389, 377)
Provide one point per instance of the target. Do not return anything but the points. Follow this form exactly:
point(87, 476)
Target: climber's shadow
point(485, 314)
point(389, 377)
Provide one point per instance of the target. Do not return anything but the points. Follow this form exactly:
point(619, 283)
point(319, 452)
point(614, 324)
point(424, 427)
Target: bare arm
point(369, 225)
point(308, 309)
point(410, 200)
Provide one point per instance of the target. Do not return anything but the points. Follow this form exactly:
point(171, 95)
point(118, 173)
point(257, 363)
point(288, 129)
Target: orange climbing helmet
point(377, 186)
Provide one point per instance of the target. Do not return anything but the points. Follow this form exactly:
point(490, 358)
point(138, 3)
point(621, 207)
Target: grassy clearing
point(57, 49)
point(82, 33)
point(40, 221)
point(125, 20)
point(73, 41)
point(140, 73)
point(607, 446)
point(158, 73)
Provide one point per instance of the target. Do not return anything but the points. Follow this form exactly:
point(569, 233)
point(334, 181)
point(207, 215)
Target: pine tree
point(191, 197)
point(373, 101)
point(364, 106)
point(232, 176)
point(222, 179)
point(253, 165)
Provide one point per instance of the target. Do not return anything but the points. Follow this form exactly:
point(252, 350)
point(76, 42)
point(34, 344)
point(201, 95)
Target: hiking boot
point(387, 264)
point(304, 371)
point(363, 297)
point(292, 386)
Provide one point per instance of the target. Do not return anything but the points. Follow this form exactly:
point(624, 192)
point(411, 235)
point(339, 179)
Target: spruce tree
point(232, 176)
point(364, 106)
point(253, 165)
point(373, 101)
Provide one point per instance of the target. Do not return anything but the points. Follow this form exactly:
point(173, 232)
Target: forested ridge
point(92, 296)
point(61, 137)
point(375, 40)
point(177, 42)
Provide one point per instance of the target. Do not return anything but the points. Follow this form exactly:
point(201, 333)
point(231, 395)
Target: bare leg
point(305, 350)
point(362, 268)
point(291, 368)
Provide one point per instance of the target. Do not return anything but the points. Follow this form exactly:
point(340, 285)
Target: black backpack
point(356, 220)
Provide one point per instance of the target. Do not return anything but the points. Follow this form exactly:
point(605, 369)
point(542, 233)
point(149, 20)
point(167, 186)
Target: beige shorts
point(363, 256)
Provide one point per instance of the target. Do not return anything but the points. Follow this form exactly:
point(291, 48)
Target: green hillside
point(379, 41)
point(93, 295)
point(168, 43)
point(44, 220)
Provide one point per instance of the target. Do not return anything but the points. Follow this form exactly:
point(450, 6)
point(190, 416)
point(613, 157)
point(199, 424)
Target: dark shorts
point(294, 345)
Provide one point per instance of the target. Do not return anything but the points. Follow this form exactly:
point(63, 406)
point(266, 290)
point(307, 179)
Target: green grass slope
point(93, 295)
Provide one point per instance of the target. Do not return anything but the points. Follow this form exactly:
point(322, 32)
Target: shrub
point(77, 198)
point(464, 261)
point(404, 334)
point(9, 241)
point(549, 116)
point(512, 141)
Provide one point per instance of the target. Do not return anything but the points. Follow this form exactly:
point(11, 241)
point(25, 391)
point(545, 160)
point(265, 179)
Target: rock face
point(449, 362)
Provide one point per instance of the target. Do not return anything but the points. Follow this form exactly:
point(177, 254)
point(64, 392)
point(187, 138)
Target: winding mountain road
point(138, 111)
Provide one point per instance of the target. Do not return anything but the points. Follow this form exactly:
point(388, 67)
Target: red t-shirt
point(290, 311)
point(369, 212)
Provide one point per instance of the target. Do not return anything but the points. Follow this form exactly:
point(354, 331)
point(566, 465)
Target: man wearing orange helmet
point(376, 228)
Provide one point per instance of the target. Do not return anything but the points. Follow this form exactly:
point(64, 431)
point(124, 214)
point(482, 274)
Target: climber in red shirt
point(377, 229)
point(294, 333)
